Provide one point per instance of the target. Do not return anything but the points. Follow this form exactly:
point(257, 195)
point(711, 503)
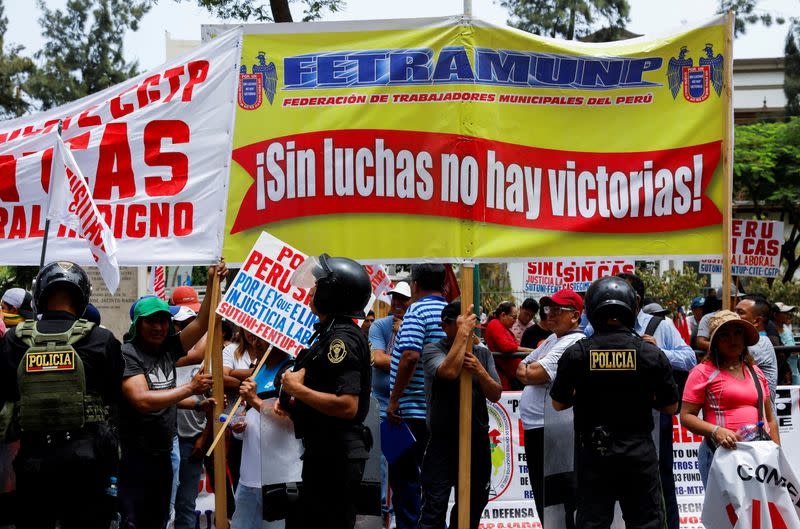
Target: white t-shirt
point(229, 360)
point(280, 461)
point(531, 407)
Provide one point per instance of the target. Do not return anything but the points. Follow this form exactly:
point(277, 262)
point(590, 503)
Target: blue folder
point(395, 440)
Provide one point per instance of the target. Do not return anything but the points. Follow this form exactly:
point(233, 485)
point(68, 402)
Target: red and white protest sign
point(262, 299)
point(381, 284)
point(547, 276)
point(756, 248)
point(155, 152)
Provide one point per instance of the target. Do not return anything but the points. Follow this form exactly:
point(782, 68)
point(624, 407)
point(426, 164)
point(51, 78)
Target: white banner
point(155, 151)
point(755, 247)
point(548, 276)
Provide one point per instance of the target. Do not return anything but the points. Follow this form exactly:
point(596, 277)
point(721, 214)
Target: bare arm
point(195, 355)
point(698, 426)
point(145, 400)
point(381, 360)
point(703, 343)
point(450, 367)
point(532, 373)
point(340, 406)
point(195, 330)
point(491, 389)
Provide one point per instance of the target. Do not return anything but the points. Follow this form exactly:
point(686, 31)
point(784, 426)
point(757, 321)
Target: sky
point(183, 20)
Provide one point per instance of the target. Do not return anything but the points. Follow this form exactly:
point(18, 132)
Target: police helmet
point(611, 296)
point(62, 273)
point(343, 286)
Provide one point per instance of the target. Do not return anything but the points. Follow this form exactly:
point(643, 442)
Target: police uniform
point(614, 379)
point(336, 450)
point(63, 475)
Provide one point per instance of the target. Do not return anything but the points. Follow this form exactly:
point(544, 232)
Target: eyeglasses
point(556, 309)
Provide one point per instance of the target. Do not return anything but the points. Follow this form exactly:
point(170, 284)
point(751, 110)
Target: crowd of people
point(124, 427)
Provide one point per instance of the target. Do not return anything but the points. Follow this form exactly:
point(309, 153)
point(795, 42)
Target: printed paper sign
point(756, 247)
point(453, 139)
point(262, 299)
point(547, 276)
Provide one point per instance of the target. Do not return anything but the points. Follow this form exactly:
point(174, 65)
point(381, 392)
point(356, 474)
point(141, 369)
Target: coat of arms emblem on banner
point(696, 80)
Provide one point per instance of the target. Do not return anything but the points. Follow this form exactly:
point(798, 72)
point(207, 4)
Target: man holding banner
point(328, 392)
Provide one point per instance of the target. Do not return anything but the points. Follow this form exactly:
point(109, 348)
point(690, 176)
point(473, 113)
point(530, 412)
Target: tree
point(674, 288)
point(748, 13)
point(83, 51)
point(568, 19)
point(271, 11)
point(791, 73)
point(766, 170)
point(14, 72)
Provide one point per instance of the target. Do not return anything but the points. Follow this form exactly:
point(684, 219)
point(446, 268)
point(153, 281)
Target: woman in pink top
point(723, 388)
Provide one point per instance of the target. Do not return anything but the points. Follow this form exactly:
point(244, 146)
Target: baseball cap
point(14, 296)
point(783, 307)
point(565, 298)
point(183, 313)
point(735, 292)
point(402, 288)
point(655, 309)
point(185, 296)
point(724, 318)
point(698, 302)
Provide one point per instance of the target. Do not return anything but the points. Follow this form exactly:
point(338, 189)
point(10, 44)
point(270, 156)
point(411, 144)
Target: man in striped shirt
point(421, 326)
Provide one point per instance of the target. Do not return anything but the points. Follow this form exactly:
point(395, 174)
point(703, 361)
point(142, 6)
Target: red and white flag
point(158, 282)
point(71, 204)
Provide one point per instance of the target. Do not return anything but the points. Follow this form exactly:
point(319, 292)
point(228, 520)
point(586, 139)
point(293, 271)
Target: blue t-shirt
point(421, 326)
point(266, 377)
point(381, 336)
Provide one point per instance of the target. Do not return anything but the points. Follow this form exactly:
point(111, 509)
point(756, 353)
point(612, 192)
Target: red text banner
point(756, 247)
point(155, 154)
point(449, 175)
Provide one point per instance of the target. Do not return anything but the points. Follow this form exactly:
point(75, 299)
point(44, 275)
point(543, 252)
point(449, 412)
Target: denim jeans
point(176, 467)
point(188, 484)
point(405, 478)
point(704, 458)
point(248, 510)
point(386, 506)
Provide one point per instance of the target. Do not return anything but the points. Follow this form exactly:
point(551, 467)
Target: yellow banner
point(449, 139)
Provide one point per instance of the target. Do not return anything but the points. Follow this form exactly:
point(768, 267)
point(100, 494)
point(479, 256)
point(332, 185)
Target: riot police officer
point(328, 391)
point(614, 379)
point(65, 373)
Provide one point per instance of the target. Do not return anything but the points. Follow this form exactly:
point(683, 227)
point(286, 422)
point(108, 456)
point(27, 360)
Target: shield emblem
point(696, 83)
point(250, 87)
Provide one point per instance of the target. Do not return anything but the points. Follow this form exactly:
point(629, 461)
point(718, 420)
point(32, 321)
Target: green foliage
point(17, 276)
point(766, 171)
point(566, 18)
point(747, 13)
point(14, 72)
point(268, 11)
point(674, 288)
point(791, 73)
point(495, 285)
point(83, 51)
point(788, 292)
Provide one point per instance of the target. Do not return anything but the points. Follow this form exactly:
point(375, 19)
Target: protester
point(783, 320)
point(407, 400)
point(536, 333)
point(499, 339)
point(368, 321)
point(271, 452)
point(755, 310)
point(382, 337)
point(328, 392)
point(655, 309)
point(92, 314)
point(185, 296)
point(444, 362)
point(17, 307)
point(537, 371)
point(710, 308)
point(68, 452)
point(525, 318)
point(614, 379)
point(725, 386)
point(696, 306)
point(148, 418)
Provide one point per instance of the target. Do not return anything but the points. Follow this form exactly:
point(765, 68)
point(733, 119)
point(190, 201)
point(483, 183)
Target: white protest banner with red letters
point(547, 276)
point(262, 299)
point(71, 205)
point(756, 248)
point(155, 151)
point(381, 284)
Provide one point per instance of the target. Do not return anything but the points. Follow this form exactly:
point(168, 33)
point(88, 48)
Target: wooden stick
point(727, 164)
point(236, 405)
point(465, 410)
point(213, 360)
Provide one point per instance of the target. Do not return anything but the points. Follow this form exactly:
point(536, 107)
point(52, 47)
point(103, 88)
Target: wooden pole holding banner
point(465, 410)
point(213, 358)
point(727, 164)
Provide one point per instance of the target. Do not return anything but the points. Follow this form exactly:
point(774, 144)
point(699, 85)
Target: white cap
point(14, 297)
point(183, 314)
point(783, 307)
point(402, 288)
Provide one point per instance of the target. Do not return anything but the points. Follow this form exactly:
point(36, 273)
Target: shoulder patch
point(337, 351)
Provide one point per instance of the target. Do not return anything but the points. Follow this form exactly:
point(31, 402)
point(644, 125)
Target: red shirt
point(501, 340)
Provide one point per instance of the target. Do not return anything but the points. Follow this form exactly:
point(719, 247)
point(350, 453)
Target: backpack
point(52, 381)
